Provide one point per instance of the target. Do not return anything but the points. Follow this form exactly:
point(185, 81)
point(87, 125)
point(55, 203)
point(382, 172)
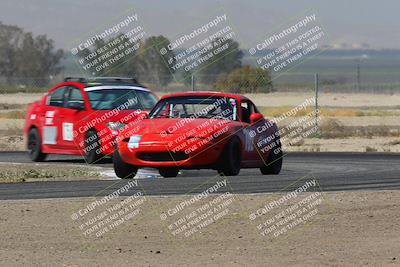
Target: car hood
point(166, 127)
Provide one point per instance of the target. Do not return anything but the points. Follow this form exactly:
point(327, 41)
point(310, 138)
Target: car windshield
point(107, 99)
point(196, 107)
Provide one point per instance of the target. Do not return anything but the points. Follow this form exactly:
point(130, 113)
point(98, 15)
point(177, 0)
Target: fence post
point(316, 85)
point(193, 81)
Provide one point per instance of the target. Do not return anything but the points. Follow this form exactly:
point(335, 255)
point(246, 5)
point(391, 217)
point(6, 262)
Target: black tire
point(122, 169)
point(231, 158)
point(274, 163)
point(168, 172)
point(35, 146)
point(92, 144)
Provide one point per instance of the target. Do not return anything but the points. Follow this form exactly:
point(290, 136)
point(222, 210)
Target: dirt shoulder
point(350, 229)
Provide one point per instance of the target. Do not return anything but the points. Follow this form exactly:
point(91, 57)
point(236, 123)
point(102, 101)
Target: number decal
point(67, 131)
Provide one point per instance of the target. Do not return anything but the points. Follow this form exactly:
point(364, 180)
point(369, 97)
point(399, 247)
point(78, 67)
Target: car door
point(50, 118)
point(262, 133)
point(249, 131)
point(71, 118)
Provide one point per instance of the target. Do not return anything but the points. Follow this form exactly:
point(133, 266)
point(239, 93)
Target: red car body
point(64, 116)
point(170, 144)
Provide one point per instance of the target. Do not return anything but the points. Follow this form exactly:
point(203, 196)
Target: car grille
point(163, 156)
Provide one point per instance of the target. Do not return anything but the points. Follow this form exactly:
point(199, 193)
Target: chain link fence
point(287, 82)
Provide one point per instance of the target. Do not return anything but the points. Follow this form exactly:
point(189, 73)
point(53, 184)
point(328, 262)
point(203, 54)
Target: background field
point(350, 122)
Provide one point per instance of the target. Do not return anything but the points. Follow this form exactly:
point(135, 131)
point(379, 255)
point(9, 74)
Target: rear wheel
point(231, 158)
point(274, 163)
point(35, 146)
point(168, 172)
point(122, 169)
point(92, 146)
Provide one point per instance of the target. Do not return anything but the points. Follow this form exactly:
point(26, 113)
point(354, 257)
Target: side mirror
point(255, 117)
point(76, 105)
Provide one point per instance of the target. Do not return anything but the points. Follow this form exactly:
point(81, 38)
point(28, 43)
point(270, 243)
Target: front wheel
point(168, 172)
point(92, 147)
point(274, 163)
point(231, 158)
point(35, 146)
point(122, 169)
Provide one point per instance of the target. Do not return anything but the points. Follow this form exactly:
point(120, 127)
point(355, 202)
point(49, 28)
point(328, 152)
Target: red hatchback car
point(83, 116)
point(197, 130)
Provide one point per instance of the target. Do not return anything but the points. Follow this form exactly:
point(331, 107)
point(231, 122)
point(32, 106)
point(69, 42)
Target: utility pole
point(316, 84)
point(358, 75)
point(359, 60)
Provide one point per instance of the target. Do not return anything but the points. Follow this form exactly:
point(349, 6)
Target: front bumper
point(158, 154)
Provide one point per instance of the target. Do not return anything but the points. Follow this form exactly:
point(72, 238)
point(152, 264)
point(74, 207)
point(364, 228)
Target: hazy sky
point(351, 21)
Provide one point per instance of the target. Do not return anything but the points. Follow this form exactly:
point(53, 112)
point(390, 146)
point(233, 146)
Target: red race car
point(83, 116)
point(198, 130)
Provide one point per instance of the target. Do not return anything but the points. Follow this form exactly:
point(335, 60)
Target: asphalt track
point(332, 171)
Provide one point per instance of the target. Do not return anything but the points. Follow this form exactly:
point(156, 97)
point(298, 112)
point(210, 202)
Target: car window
point(252, 107)
point(75, 96)
point(107, 99)
point(177, 110)
point(248, 108)
point(56, 98)
point(245, 112)
point(196, 107)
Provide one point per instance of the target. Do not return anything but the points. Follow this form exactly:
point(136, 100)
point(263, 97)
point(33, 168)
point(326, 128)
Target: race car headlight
point(115, 125)
point(134, 141)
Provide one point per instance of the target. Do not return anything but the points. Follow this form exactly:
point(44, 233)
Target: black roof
point(96, 81)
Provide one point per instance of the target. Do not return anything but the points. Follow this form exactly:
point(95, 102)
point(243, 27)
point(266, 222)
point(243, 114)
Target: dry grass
point(19, 98)
point(13, 114)
point(370, 149)
point(394, 143)
point(11, 127)
point(333, 128)
point(9, 106)
point(329, 112)
point(21, 173)
point(348, 144)
point(11, 136)
point(12, 143)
